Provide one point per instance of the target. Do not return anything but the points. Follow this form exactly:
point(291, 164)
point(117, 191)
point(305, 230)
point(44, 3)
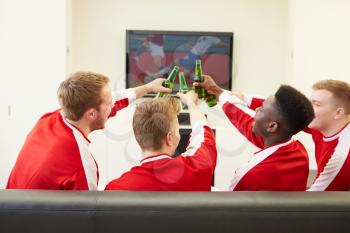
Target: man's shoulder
point(50, 139)
point(51, 128)
point(293, 149)
point(133, 179)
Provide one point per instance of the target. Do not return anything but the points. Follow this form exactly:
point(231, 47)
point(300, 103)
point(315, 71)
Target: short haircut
point(295, 107)
point(153, 119)
point(339, 89)
point(80, 92)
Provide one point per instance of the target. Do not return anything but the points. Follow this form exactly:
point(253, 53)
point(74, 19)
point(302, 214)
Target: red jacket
point(56, 156)
point(332, 157)
point(281, 167)
point(333, 160)
point(191, 171)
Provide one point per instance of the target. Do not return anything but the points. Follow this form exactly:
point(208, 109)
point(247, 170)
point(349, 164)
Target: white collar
point(335, 136)
point(155, 158)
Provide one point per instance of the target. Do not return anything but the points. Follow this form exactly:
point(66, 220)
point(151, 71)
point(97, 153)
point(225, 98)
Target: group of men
point(56, 152)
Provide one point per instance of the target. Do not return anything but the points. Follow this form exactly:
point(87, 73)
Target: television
point(153, 54)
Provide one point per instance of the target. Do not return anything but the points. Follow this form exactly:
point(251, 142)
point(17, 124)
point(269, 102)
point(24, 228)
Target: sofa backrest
point(178, 212)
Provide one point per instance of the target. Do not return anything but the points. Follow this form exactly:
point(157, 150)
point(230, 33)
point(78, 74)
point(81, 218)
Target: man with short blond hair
point(153, 120)
point(56, 152)
point(331, 134)
point(156, 130)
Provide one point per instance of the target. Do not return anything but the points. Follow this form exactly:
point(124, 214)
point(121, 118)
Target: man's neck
point(84, 128)
point(274, 140)
point(335, 128)
point(148, 153)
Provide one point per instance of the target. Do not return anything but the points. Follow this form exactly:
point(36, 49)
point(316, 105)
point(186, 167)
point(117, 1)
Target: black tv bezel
point(209, 33)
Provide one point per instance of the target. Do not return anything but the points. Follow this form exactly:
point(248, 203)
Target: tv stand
point(184, 118)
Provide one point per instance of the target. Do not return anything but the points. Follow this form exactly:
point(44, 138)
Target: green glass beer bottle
point(211, 100)
point(169, 82)
point(198, 78)
point(183, 85)
point(202, 93)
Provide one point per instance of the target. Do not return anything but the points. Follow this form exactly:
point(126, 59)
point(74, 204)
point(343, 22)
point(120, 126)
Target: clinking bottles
point(183, 85)
point(169, 82)
point(202, 93)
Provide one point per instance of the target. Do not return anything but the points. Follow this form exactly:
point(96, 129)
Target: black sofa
point(178, 212)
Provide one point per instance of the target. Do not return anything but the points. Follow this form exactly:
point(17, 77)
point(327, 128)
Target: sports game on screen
point(153, 54)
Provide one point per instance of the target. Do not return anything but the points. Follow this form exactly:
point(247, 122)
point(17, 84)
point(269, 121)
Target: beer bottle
point(198, 78)
point(183, 85)
point(169, 82)
point(202, 93)
point(211, 100)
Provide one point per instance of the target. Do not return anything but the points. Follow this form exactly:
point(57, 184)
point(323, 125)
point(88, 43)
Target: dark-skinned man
point(282, 163)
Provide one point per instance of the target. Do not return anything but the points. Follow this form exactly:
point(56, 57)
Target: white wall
point(98, 43)
point(318, 47)
point(32, 58)
point(320, 41)
point(260, 27)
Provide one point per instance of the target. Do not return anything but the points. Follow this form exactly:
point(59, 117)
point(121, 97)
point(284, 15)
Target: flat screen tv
point(152, 54)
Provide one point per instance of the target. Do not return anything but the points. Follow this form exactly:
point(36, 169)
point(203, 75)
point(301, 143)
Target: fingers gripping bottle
point(169, 82)
point(202, 93)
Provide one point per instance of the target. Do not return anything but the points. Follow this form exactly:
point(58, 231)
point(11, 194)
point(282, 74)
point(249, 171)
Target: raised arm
point(151, 87)
point(235, 109)
point(123, 98)
point(253, 102)
point(201, 150)
point(240, 116)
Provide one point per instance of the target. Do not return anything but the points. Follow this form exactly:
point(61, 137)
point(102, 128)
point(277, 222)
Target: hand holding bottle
point(200, 90)
point(209, 85)
point(169, 82)
point(156, 86)
point(190, 98)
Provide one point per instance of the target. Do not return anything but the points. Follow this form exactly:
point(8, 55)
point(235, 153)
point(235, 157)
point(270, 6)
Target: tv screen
point(153, 54)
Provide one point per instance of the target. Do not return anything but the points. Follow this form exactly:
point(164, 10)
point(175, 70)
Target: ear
point(90, 114)
point(169, 139)
point(339, 113)
point(272, 127)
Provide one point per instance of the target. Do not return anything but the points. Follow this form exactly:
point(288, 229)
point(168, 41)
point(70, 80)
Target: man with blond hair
point(156, 130)
point(56, 152)
point(330, 132)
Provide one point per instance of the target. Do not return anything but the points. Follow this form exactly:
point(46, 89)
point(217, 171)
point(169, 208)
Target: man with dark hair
point(282, 163)
point(330, 132)
point(56, 152)
point(294, 107)
point(156, 130)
